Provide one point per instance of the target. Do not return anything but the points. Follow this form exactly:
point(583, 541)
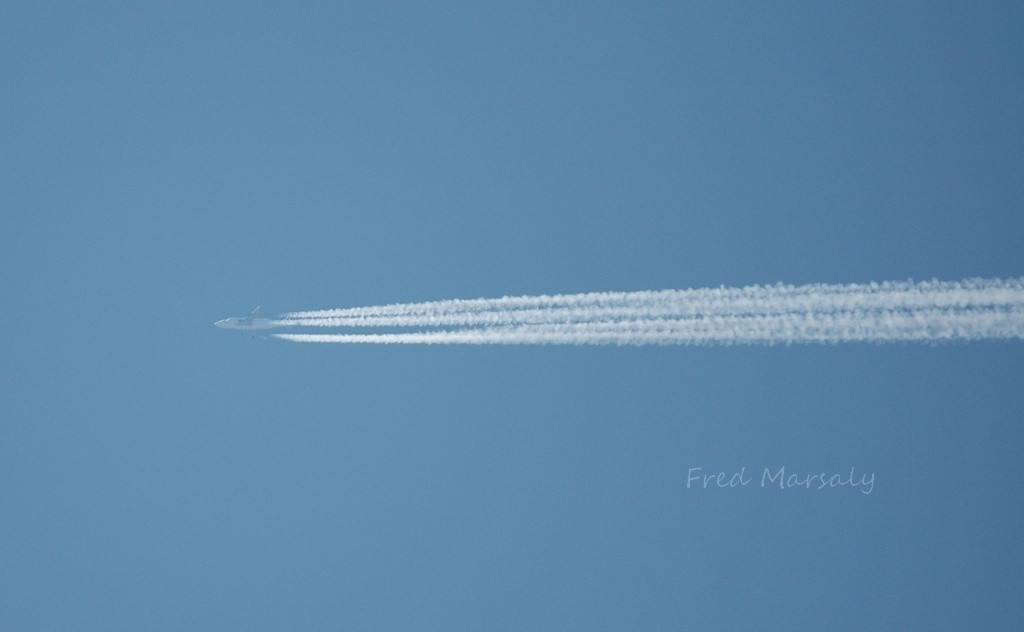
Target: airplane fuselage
point(246, 324)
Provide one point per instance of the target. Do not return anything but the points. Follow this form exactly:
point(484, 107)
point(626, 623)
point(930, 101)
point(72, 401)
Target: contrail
point(972, 309)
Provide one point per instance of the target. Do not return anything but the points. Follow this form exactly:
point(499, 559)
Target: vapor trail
point(972, 309)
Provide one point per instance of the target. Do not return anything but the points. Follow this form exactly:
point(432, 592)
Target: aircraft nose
point(221, 323)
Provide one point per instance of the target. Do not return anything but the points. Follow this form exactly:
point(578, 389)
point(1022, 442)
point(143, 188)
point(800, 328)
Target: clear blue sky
point(167, 165)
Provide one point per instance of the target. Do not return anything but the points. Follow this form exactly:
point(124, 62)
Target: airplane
point(247, 323)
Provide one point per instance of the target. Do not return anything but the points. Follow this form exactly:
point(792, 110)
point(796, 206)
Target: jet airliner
point(247, 323)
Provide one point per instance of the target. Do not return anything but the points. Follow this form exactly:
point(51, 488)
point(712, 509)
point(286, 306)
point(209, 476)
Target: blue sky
point(167, 166)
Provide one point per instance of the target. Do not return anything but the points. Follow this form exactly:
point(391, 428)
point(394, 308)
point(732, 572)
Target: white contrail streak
point(972, 309)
